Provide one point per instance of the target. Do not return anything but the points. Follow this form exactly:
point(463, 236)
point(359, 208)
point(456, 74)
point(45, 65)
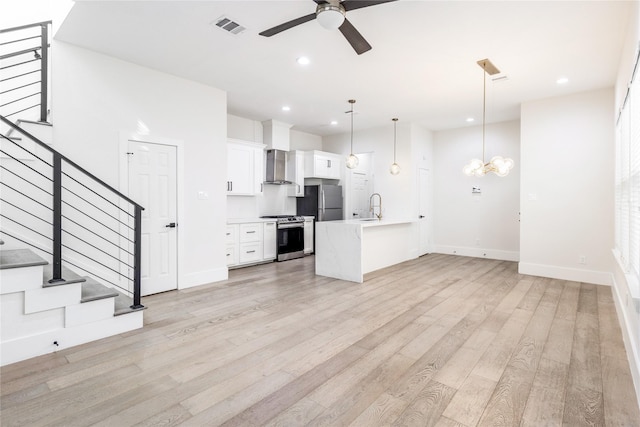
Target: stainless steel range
point(290, 232)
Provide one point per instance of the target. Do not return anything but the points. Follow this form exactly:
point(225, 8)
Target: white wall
point(95, 97)
point(567, 187)
point(484, 224)
point(396, 191)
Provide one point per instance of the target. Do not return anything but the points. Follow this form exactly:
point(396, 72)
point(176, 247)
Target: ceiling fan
point(331, 15)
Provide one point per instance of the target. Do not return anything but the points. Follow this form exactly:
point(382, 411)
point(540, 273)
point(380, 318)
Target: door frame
point(123, 148)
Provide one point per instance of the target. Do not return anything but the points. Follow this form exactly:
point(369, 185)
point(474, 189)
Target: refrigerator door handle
point(323, 204)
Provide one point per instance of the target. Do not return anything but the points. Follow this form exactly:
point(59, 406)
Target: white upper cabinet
point(319, 164)
point(295, 173)
point(245, 168)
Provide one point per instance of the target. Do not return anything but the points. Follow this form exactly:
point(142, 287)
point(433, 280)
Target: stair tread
point(93, 291)
point(16, 258)
point(123, 305)
point(69, 277)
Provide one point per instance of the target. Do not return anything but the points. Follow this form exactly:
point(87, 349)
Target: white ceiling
point(422, 67)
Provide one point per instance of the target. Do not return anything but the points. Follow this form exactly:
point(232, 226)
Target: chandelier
point(498, 164)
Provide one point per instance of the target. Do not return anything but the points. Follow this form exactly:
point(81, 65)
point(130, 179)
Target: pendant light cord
point(395, 122)
point(484, 104)
point(352, 101)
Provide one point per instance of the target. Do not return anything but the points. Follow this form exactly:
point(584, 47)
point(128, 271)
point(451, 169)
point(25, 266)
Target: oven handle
point(291, 225)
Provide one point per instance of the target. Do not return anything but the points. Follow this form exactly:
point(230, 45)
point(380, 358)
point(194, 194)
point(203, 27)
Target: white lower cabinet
point(270, 247)
point(308, 234)
point(250, 243)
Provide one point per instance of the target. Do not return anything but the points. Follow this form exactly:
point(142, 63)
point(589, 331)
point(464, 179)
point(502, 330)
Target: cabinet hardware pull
point(250, 232)
point(250, 252)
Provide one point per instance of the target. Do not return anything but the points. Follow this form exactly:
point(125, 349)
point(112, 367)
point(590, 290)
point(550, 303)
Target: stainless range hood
point(276, 167)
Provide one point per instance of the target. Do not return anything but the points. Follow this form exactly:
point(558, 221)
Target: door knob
point(171, 225)
point(420, 216)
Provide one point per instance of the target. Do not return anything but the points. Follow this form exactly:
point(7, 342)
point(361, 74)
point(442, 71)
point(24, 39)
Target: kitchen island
point(349, 249)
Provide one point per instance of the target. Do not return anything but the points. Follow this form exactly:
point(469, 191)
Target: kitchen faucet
point(372, 207)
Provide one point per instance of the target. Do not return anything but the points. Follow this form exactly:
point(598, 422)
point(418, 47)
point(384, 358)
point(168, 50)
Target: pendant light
point(352, 160)
point(395, 168)
point(498, 164)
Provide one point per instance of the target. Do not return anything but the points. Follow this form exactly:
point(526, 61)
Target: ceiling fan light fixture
point(330, 16)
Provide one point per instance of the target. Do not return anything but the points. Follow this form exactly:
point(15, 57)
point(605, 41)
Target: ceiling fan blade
point(354, 38)
point(359, 4)
point(280, 28)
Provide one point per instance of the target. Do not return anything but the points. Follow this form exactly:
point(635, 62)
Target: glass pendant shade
point(330, 17)
point(394, 169)
point(352, 161)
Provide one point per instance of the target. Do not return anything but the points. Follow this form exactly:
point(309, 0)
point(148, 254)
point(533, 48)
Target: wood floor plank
point(427, 407)
point(439, 340)
point(470, 400)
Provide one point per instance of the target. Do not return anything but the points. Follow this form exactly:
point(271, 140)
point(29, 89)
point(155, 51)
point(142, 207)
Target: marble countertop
point(248, 220)
point(371, 222)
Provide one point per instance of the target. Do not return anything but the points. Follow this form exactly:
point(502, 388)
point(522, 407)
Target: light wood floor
point(442, 340)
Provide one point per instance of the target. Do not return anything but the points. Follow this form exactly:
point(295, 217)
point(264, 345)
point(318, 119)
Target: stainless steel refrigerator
point(322, 201)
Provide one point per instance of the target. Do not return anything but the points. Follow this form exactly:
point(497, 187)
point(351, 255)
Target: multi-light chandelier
point(498, 164)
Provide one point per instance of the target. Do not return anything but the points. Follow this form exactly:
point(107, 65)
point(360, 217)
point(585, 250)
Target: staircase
point(70, 252)
point(39, 317)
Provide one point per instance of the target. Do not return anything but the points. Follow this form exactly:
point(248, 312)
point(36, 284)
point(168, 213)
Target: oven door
point(290, 241)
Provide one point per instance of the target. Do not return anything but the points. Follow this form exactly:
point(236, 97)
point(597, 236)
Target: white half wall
point(567, 187)
point(95, 97)
point(481, 224)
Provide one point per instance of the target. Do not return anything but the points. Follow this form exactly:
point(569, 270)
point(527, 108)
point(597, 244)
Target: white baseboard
point(203, 277)
point(43, 343)
point(631, 344)
point(478, 252)
point(566, 273)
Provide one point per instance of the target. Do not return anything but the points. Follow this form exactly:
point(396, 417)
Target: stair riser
point(89, 312)
point(36, 345)
point(16, 324)
point(20, 279)
point(47, 298)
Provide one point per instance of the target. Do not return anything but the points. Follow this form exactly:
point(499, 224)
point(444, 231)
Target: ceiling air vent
point(229, 25)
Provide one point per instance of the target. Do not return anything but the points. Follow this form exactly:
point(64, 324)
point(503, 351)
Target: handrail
point(64, 184)
point(41, 53)
point(24, 27)
point(69, 161)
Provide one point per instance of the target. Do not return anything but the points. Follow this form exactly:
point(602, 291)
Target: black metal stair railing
point(54, 205)
point(24, 65)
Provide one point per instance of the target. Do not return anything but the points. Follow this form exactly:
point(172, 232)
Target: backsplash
point(273, 201)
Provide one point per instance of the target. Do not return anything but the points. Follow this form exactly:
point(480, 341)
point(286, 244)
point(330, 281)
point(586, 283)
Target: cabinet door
point(258, 170)
point(308, 236)
point(270, 246)
point(334, 170)
point(232, 255)
point(240, 170)
point(322, 166)
point(295, 173)
point(251, 232)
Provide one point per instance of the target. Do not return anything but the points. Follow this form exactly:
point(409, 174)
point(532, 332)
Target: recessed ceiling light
point(334, 122)
point(562, 80)
point(470, 119)
point(286, 108)
point(303, 60)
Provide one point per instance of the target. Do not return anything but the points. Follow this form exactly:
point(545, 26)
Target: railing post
point(57, 218)
point(137, 257)
point(44, 70)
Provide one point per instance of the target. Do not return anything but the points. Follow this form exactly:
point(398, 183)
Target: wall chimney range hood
point(276, 167)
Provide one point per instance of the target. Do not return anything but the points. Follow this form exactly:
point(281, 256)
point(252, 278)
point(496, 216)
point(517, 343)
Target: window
point(627, 182)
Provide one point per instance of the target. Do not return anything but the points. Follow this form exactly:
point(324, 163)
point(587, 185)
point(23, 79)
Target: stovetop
point(285, 218)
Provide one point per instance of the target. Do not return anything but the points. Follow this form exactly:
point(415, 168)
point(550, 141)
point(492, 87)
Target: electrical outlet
point(582, 259)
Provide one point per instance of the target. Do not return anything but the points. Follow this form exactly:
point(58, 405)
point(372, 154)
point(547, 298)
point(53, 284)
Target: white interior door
point(360, 191)
point(423, 211)
point(152, 182)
